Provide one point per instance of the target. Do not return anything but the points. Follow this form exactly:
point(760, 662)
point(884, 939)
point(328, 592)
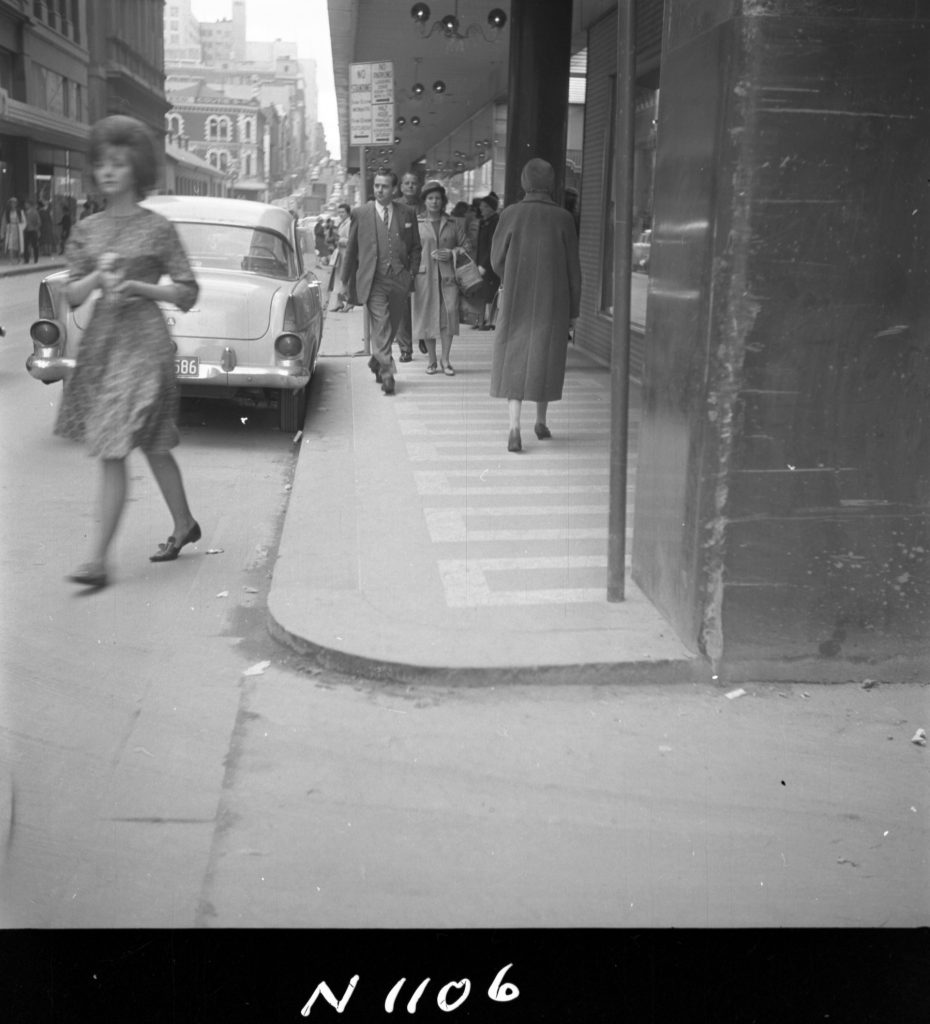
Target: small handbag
point(467, 275)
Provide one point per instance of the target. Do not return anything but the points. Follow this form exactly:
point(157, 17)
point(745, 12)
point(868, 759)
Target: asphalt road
point(163, 775)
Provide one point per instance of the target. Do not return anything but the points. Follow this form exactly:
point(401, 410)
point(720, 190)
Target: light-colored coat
point(361, 252)
point(436, 278)
point(535, 254)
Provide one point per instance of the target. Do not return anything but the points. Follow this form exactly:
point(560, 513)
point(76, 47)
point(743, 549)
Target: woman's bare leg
point(168, 477)
point(113, 487)
point(431, 351)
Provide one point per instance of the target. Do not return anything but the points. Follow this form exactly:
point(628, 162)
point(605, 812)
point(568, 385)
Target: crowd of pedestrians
point(29, 229)
point(401, 259)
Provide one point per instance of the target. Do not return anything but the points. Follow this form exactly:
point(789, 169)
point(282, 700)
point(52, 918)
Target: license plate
point(187, 366)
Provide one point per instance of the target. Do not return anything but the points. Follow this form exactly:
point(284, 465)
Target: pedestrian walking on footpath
point(487, 207)
point(12, 226)
point(410, 196)
point(31, 229)
point(46, 231)
point(64, 227)
point(382, 259)
point(123, 393)
point(343, 210)
point(535, 254)
point(436, 295)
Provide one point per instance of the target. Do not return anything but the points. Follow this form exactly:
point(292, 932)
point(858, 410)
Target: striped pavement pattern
point(506, 529)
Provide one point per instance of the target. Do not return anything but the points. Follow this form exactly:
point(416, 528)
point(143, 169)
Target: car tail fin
point(290, 316)
point(46, 305)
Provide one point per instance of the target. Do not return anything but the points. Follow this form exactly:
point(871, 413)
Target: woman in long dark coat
point(535, 254)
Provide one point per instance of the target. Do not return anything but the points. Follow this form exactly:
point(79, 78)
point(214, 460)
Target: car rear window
point(231, 247)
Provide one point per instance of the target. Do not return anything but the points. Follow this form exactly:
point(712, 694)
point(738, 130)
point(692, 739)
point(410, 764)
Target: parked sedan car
point(256, 328)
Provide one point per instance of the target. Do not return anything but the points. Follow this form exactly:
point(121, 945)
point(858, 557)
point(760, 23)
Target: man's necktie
point(386, 223)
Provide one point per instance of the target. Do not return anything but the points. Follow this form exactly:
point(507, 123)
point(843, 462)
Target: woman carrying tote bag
point(436, 293)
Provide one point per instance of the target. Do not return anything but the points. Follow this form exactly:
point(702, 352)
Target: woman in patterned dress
point(123, 393)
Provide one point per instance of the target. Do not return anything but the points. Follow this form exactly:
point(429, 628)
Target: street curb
point(31, 268)
point(695, 670)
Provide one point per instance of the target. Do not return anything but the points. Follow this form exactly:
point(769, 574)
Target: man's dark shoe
point(375, 368)
point(387, 385)
point(406, 357)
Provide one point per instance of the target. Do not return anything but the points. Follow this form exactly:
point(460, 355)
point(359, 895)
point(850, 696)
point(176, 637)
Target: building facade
point(126, 73)
point(44, 101)
point(186, 174)
point(231, 136)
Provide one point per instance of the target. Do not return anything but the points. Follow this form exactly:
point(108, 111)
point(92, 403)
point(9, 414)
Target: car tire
point(292, 409)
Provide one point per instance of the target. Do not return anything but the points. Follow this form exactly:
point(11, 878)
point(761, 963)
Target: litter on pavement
point(257, 669)
point(920, 738)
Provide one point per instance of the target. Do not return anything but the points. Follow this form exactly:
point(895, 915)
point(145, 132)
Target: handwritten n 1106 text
point(450, 996)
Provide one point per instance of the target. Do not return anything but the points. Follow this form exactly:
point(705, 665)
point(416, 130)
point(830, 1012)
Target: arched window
point(224, 160)
point(247, 131)
point(224, 128)
point(175, 124)
point(212, 128)
point(213, 158)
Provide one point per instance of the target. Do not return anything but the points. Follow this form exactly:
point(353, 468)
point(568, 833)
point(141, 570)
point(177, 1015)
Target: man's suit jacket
point(361, 255)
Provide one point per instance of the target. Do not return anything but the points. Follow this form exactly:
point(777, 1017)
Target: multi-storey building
point(217, 58)
point(44, 110)
point(63, 65)
point(126, 75)
point(229, 134)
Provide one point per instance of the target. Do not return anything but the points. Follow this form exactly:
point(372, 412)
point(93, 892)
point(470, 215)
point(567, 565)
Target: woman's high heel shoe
point(170, 550)
point(514, 444)
point(542, 431)
point(89, 575)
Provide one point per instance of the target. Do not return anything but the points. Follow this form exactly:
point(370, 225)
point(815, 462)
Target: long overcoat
point(436, 278)
point(535, 254)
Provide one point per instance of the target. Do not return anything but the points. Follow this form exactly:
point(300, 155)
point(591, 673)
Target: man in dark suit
point(410, 195)
point(382, 257)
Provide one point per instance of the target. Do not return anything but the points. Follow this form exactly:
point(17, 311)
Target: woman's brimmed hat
point(432, 186)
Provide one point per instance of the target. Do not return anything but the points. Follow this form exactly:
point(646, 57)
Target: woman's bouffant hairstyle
point(119, 130)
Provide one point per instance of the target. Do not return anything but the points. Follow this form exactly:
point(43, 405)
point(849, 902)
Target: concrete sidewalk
point(415, 543)
point(46, 264)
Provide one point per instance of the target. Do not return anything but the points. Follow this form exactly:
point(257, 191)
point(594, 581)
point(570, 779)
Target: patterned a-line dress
point(123, 393)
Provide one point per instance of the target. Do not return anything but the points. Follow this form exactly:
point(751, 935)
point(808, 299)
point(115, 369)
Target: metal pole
point(623, 269)
point(363, 198)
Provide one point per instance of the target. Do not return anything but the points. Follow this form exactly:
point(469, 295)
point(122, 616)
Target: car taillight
point(288, 345)
point(45, 332)
point(46, 306)
point(290, 316)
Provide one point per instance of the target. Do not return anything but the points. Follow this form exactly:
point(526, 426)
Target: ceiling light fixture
point(451, 27)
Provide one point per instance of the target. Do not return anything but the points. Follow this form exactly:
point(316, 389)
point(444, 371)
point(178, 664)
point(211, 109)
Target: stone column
point(540, 58)
point(783, 496)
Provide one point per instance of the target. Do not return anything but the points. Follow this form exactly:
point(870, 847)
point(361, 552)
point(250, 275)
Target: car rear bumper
point(282, 378)
point(50, 368)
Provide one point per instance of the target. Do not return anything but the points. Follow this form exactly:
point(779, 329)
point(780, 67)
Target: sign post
point(371, 123)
